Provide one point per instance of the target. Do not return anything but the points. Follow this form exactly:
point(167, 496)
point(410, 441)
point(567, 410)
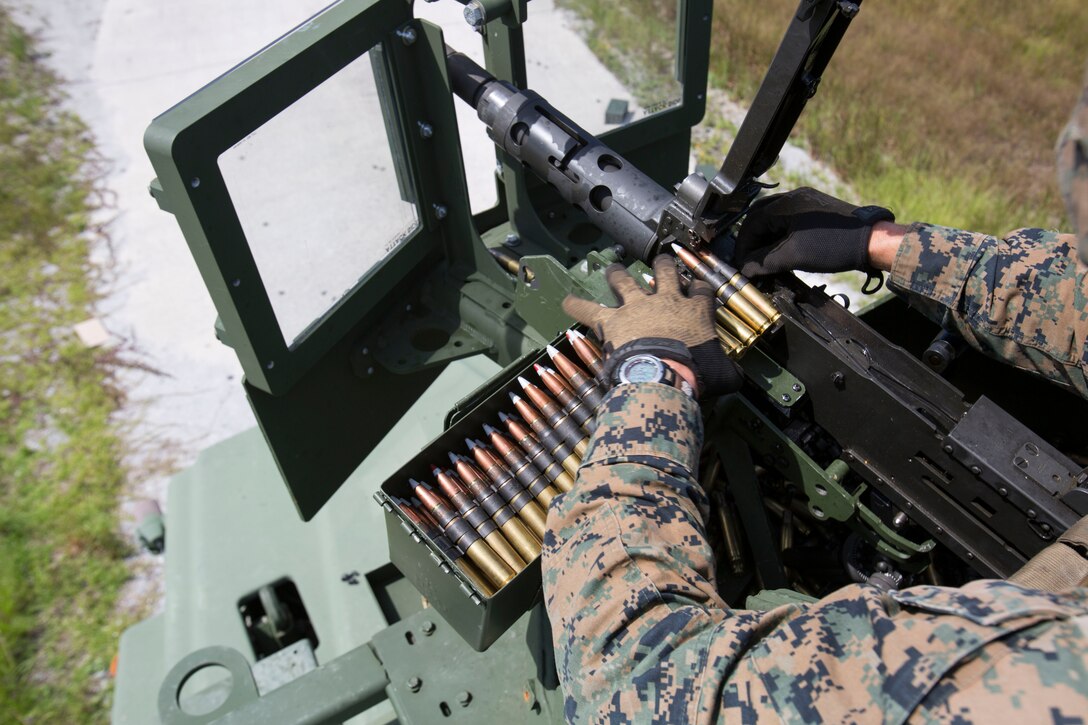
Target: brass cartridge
point(522, 539)
point(464, 536)
point(734, 326)
point(503, 481)
point(557, 418)
point(586, 351)
point(537, 453)
point(730, 344)
point(526, 471)
point(584, 386)
point(416, 513)
point(566, 396)
point(742, 284)
point(508, 261)
point(558, 449)
point(470, 511)
point(724, 290)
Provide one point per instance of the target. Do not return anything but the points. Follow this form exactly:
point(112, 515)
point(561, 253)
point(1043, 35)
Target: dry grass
point(945, 111)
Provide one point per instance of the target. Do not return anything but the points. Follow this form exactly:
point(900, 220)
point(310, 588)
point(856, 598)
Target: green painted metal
point(828, 499)
point(779, 384)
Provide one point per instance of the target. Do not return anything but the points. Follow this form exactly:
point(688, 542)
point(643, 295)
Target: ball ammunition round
point(530, 476)
point(537, 453)
point(556, 417)
point(584, 386)
point(566, 396)
point(586, 351)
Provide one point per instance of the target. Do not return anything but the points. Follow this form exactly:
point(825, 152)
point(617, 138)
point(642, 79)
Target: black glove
point(806, 230)
point(669, 323)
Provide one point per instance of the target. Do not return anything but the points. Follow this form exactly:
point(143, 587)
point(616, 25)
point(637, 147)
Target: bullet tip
point(470, 443)
point(504, 417)
point(574, 335)
point(552, 352)
point(537, 367)
point(454, 457)
point(414, 483)
point(524, 383)
point(515, 397)
point(488, 430)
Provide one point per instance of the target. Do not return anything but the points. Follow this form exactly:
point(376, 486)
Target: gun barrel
point(618, 198)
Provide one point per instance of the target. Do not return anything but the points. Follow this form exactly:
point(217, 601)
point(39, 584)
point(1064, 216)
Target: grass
point(946, 112)
point(61, 554)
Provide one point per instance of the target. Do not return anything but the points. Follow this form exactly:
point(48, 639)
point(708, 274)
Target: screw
point(408, 35)
point(425, 130)
point(512, 240)
point(786, 397)
point(1003, 491)
point(440, 211)
point(414, 683)
point(947, 448)
point(797, 387)
point(838, 380)
point(474, 14)
point(464, 698)
point(428, 628)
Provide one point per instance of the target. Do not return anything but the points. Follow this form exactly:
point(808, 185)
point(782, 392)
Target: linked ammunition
point(537, 453)
point(742, 284)
point(734, 326)
point(730, 344)
point(471, 512)
point(414, 511)
point(586, 351)
point(728, 520)
point(566, 396)
point(557, 418)
point(526, 543)
point(558, 449)
point(526, 471)
point(584, 386)
point(464, 536)
point(724, 290)
point(503, 481)
point(509, 262)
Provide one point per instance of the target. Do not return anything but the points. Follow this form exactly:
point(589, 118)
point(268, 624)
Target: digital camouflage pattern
point(641, 634)
point(1022, 298)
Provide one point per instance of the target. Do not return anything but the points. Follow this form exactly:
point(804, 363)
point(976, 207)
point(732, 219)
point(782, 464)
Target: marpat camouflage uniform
point(1022, 299)
point(641, 634)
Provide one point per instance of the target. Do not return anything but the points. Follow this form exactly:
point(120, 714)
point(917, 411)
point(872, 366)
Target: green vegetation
point(61, 556)
point(946, 111)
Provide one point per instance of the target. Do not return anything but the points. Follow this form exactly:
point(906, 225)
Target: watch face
point(642, 370)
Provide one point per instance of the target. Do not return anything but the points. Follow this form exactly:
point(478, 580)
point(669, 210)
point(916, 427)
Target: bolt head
point(428, 628)
point(797, 387)
point(474, 14)
point(407, 35)
point(786, 397)
point(464, 698)
point(425, 130)
point(414, 683)
point(440, 211)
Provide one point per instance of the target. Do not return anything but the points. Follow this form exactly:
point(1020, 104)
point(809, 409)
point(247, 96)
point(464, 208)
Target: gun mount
point(844, 456)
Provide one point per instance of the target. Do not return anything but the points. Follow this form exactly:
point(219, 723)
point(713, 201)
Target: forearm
point(628, 576)
point(1016, 298)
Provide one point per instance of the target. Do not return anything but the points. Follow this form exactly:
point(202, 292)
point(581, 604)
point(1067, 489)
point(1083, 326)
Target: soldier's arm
point(628, 573)
point(1020, 299)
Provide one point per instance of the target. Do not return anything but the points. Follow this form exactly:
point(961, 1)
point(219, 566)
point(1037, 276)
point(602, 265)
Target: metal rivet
point(270, 364)
point(464, 698)
point(512, 240)
point(946, 448)
point(426, 130)
point(786, 397)
point(440, 211)
point(976, 470)
point(408, 35)
point(414, 683)
point(428, 628)
point(970, 555)
point(194, 182)
point(797, 387)
point(236, 283)
point(1031, 513)
point(1003, 491)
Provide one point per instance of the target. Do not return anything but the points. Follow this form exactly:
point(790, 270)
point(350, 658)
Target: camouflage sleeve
point(641, 635)
point(1020, 299)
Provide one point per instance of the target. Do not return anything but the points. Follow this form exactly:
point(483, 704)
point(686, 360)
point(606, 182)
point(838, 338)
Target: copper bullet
point(742, 283)
point(464, 536)
point(566, 396)
point(537, 453)
point(530, 476)
point(724, 290)
point(470, 511)
point(557, 418)
point(522, 539)
point(503, 481)
point(556, 446)
point(587, 352)
point(584, 385)
point(414, 511)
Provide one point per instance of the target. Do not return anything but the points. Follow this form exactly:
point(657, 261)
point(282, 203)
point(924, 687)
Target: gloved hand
point(806, 230)
point(668, 323)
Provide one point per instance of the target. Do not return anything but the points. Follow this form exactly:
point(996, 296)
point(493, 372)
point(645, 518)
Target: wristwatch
point(645, 368)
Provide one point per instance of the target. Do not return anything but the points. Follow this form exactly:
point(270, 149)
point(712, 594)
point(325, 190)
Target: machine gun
point(845, 455)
